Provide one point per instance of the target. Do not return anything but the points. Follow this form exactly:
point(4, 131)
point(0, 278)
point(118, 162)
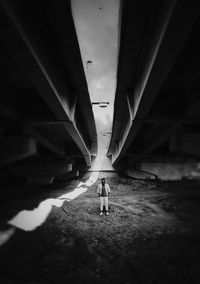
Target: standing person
point(103, 192)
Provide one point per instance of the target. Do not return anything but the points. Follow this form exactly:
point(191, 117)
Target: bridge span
point(47, 127)
point(157, 104)
point(47, 123)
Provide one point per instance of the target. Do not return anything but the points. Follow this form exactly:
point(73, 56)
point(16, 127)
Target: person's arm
point(98, 190)
point(108, 189)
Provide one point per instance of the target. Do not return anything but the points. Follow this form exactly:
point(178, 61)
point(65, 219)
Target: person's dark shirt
point(103, 193)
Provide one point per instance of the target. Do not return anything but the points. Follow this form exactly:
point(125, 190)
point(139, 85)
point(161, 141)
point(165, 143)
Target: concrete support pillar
point(70, 175)
point(41, 172)
point(186, 143)
point(139, 174)
point(14, 149)
point(171, 170)
point(40, 180)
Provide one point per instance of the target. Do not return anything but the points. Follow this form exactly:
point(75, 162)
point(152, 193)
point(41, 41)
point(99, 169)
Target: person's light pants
point(104, 201)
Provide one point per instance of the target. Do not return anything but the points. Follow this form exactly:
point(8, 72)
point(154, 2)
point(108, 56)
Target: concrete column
point(186, 143)
point(41, 172)
point(70, 175)
point(14, 149)
point(139, 174)
point(174, 170)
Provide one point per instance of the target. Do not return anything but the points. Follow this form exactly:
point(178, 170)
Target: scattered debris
point(88, 62)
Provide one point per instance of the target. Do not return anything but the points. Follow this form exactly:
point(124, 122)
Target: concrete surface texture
point(165, 170)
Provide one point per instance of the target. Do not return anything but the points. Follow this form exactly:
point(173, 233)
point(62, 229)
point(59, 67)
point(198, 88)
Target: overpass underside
point(157, 105)
point(47, 126)
point(48, 134)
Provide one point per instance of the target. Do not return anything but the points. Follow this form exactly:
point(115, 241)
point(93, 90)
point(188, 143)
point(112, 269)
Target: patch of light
point(29, 220)
point(75, 193)
point(98, 162)
point(6, 235)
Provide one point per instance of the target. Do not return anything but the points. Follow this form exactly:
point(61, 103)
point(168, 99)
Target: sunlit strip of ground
point(97, 29)
point(29, 220)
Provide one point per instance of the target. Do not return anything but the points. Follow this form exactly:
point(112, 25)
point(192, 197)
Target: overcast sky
point(96, 23)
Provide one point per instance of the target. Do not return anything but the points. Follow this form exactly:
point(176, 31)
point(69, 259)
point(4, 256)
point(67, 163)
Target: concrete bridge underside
point(157, 104)
point(47, 125)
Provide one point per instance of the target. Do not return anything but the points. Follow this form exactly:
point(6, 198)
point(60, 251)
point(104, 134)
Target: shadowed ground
point(152, 235)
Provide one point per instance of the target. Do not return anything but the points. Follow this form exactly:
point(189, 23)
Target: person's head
point(103, 181)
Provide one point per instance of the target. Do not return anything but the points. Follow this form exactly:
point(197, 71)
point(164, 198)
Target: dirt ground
point(152, 235)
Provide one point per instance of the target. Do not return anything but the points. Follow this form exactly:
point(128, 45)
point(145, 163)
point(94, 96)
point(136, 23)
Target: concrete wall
point(171, 170)
point(138, 174)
